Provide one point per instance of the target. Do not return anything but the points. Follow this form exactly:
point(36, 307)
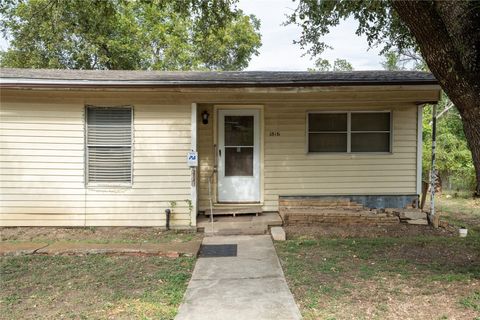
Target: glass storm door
point(238, 156)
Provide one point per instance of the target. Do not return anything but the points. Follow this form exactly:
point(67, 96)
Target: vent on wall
point(109, 144)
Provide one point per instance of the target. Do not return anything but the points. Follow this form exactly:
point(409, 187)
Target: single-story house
point(117, 148)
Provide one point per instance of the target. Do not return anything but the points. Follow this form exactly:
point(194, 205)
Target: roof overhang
point(53, 83)
point(122, 78)
point(249, 82)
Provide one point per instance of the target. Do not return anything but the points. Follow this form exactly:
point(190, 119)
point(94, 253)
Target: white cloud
point(279, 53)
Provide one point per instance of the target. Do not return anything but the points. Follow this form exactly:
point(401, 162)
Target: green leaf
point(117, 34)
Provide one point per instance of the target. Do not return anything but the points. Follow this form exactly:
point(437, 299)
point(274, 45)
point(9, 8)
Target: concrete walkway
point(250, 286)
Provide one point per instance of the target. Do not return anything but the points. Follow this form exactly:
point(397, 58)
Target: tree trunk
point(448, 35)
point(471, 127)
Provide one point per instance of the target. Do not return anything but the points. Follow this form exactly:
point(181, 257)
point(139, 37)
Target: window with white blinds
point(109, 144)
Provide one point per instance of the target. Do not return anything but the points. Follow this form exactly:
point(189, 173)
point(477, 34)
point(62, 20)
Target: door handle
point(220, 152)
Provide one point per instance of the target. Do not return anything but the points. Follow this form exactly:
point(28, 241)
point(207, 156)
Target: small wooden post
point(425, 185)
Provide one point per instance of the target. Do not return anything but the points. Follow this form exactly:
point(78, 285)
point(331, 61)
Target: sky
point(278, 51)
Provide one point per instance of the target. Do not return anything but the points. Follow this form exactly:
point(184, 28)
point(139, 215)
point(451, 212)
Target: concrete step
point(418, 221)
point(239, 225)
point(413, 215)
point(235, 231)
point(232, 211)
point(278, 234)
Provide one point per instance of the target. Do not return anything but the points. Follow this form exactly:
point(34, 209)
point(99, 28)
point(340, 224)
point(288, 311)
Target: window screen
point(109, 145)
point(370, 132)
point(327, 132)
point(239, 145)
point(349, 132)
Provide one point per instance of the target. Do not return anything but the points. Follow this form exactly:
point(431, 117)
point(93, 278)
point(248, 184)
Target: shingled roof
point(117, 78)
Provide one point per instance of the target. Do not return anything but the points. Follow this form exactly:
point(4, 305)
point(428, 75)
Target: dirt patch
point(437, 254)
point(396, 231)
point(94, 234)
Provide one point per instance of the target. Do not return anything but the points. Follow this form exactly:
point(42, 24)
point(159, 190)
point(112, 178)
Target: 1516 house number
point(274, 134)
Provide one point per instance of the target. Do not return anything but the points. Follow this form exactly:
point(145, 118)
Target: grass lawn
point(93, 286)
point(460, 211)
point(411, 277)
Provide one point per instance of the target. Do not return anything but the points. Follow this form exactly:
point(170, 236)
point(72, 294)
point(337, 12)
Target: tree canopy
point(445, 33)
point(120, 34)
point(454, 162)
point(337, 65)
point(453, 158)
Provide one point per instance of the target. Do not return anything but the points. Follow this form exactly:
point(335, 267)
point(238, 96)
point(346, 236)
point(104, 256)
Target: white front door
point(238, 156)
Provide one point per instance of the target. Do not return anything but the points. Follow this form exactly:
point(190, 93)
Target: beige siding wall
point(290, 170)
point(205, 143)
point(42, 152)
point(42, 165)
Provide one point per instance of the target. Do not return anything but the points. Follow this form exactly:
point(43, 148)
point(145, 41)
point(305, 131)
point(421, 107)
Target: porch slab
point(242, 224)
point(233, 211)
point(248, 286)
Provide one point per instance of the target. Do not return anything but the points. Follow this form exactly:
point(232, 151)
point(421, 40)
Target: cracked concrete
point(249, 286)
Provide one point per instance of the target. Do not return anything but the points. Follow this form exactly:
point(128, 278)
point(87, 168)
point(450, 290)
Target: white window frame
point(349, 132)
point(86, 146)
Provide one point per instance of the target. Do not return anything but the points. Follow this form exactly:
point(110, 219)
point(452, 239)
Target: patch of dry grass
point(460, 211)
point(95, 235)
point(92, 287)
point(415, 276)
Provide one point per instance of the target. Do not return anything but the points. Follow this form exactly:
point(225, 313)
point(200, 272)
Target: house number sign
point(274, 134)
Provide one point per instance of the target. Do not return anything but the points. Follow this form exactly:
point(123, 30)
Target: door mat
point(218, 250)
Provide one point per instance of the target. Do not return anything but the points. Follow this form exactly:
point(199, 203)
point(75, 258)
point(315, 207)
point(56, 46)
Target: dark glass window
point(239, 145)
point(368, 132)
point(327, 132)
